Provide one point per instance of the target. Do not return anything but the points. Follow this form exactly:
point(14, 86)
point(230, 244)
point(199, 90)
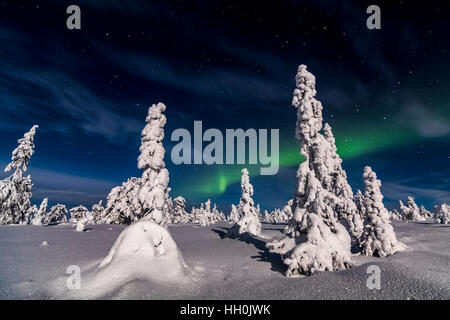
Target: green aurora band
point(353, 138)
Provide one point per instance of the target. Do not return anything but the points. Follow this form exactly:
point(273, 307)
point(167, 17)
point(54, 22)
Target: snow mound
point(143, 251)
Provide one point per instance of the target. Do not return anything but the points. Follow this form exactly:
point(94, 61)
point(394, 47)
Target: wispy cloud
point(428, 123)
point(48, 95)
point(396, 191)
point(67, 188)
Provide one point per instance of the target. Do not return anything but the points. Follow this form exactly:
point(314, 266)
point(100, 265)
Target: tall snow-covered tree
point(146, 197)
point(57, 214)
point(379, 237)
point(154, 191)
point(315, 239)
point(15, 190)
point(40, 216)
point(249, 221)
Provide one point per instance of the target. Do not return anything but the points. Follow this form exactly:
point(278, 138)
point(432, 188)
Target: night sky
point(232, 65)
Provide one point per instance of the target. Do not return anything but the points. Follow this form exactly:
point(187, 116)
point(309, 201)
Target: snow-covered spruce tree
point(146, 197)
point(22, 154)
point(411, 211)
point(97, 211)
point(318, 242)
point(315, 239)
point(203, 215)
point(215, 214)
point(179, 214)
point(266, 217)
point(57, 214)
point(32, 211)
point(403, 209)
point(195, 214)
point(425, 213)
point(77, 213)
point(275, 216)
point(414, 211)
point(207, 206)
point(258, 211)
point(192, 217)
point(378, 238)
point(81, 216)
point(222, 216)
point(233, 217)
point(122, 205)
point(154, 192)
point(442, 214)
point(395, 215)
point(249, 221)
point(279, 216)
point(15, 190)
point(40, 216)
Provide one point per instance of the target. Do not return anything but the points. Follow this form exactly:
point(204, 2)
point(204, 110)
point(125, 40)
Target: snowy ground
point(226, 268)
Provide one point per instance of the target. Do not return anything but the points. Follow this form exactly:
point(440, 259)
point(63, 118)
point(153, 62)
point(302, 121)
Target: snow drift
point(143, 251)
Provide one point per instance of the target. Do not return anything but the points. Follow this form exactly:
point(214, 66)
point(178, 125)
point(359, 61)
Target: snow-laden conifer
point(442, 214)
point(148, 196)
point(179, 214)
point(249, 218)
point(57, 214)
point(233, 217)
point(77, 213)
point(40, 216)
point(15, 190)
point(315, 239)
point(379, 238)
point(411, 211)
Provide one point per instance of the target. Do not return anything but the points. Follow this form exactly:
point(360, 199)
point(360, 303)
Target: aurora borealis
point(229, 64)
